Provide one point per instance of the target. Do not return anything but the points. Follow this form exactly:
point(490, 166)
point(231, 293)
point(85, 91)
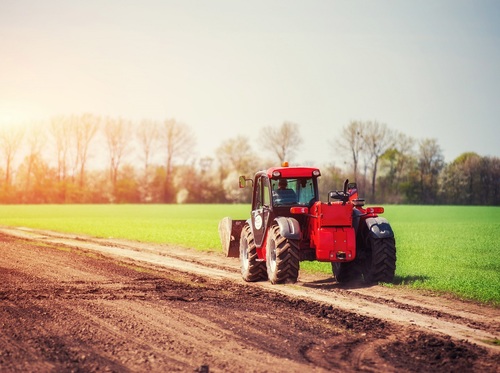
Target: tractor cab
point(281, 191)
point(284, 187)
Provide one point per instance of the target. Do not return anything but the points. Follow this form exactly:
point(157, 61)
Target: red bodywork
point(326, 227)
point(331, 232)
point(293, 171)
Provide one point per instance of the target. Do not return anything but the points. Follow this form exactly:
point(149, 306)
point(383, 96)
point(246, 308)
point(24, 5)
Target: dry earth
point(74, 303)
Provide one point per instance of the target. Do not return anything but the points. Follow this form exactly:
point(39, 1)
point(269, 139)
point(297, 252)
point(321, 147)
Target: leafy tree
point(399, 172)
point(457, 179)
point(127, 186)
point(471, 179)
point(235, 157)
point(236, 154)
point(43, 185)
point(332, 178)
point(197, 185)
point(396, 164)
point(430, 163)
point(489, 170)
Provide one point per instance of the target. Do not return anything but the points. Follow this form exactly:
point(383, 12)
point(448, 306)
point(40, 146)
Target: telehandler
point(289, 223)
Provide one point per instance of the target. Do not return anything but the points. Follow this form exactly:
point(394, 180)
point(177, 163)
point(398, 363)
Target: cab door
point(261, 203)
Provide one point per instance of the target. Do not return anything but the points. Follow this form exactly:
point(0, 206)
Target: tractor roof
point(287, 172)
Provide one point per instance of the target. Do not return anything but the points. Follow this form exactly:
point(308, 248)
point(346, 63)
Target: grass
point(453, 249)
point(184, 225)
point(448, 249)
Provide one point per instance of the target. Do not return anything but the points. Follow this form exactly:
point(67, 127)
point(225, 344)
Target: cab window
point(262, 195)
point(293, 191)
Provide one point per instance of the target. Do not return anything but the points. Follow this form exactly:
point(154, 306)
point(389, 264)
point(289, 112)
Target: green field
point(449, 249)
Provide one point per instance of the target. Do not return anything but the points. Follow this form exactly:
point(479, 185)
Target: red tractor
point(290, 224)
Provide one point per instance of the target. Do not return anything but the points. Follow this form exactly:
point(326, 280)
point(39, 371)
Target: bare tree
point(84, 129)
point(117, 133)
point(10, 143)
point(350, 140)
point(36, 137)
point(147, 133)
point(60, 128)
point(377, 138)
point(179, 142)
point(283, 141)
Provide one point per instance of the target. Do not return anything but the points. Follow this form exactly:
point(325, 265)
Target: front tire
point(282, 258)
point(251, 269)
point(345, 272)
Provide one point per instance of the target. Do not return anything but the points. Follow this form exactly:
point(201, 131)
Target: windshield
point(293, 191)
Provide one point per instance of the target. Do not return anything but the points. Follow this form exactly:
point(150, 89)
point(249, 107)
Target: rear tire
point(282, 258)
point(379, 264)
point(251, 269)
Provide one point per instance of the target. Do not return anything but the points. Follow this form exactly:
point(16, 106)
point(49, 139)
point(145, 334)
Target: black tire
point(282, 258)
point(251, 269)
point(379, 264)
point(345, 272)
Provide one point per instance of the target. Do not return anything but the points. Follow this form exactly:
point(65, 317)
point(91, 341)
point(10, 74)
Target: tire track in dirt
point(377, 302)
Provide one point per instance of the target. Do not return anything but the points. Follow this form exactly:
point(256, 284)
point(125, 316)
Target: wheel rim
point(244, 256)
point(272, 256)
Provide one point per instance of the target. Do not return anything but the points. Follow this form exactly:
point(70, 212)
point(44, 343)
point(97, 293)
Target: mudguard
point(379, 227)
point(289, 227)
point(356, 216)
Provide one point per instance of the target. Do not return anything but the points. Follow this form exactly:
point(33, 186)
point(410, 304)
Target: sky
point(227, 68)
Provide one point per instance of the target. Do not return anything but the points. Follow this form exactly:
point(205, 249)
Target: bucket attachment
point(230, 232)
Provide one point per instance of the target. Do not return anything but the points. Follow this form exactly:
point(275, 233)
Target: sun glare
point(11, 118)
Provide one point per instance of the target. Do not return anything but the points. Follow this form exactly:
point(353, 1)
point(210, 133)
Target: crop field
point(444, 249)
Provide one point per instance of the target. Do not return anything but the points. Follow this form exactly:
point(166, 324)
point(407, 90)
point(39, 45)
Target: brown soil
point(71, 303)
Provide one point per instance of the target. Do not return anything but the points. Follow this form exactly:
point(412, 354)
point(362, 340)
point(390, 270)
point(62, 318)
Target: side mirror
point(242, 181)
point(340, 195)
point(352, 186)
point(335, 195)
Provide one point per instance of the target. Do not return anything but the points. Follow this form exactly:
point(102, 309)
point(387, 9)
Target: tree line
point(155, 162)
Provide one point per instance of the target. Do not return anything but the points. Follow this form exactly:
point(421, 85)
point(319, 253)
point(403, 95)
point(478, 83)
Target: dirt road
point(74, 303)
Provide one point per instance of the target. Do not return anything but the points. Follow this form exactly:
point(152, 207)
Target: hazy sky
point(430, 69)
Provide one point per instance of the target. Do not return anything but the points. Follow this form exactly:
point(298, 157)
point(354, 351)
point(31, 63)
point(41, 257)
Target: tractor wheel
point(251, 269)
point(379, 264)
point(346, 271)
point(282, 258)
